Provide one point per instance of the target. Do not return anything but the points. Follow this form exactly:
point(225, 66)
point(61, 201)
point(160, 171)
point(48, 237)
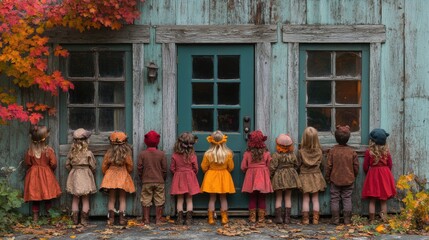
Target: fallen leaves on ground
point(237, 228)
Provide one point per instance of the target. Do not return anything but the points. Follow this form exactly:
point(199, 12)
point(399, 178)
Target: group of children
point(280, 172)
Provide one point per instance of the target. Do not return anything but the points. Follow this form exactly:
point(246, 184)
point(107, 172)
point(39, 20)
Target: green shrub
point(10, 201)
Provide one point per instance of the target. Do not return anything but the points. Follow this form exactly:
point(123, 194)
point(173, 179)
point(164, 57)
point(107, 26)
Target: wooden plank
point(169, 113)
point(297, 12)
point(127, 34)
point(263, 87)
point(238, 12)
point(192, 12)
point(216, 34)
point(157, 12)
point(334, 33)
point(374, 85)
point(218, 12)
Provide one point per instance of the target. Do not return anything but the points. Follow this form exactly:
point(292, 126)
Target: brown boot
point(261, 215)
point(179, 219)
point(315, 217)
point(84, 218)
point(75, 217)
point(347, 217)
point(371, 218)
point(287, 216)
point(158, 214)
point(278, 216)
point(35, 217)
point(122, 220)
point(252, 215)
point(111, 217)
point(210, 219)
point(146, 215)
point(188, 219)
point(335, 220)
point(383, 217)
point(224, 217)
point(305, 218)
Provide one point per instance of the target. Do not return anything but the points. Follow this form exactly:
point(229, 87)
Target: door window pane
point(348, 64)
point(228, 67)
point(112, 119)
point(319, 92)
point(81, 64)
point(202, 67)
point(319, 118)
point(111, 92)
point(202, 93)
point(347, 92)
point(202, 120)
point(228, 120)
point(82, 93)
point(229, 93)
point(348, 116)
point(82, 118)
point(318, 63)
point(111, 64)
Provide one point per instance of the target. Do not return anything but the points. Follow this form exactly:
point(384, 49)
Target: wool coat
point(82, 167)
point(342, 166)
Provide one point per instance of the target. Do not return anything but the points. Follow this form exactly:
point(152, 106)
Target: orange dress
point(217, 177)
point(40, 182)
point(117, 177)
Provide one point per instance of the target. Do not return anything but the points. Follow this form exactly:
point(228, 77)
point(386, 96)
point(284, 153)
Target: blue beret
point(378, 135)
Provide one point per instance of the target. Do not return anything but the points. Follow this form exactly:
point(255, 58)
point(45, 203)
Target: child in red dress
point(379, 182)
point(184, 167)
point(40, 184)
point(256, 162)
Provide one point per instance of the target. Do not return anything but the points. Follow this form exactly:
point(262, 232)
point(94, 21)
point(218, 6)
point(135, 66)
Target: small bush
point(10, 200)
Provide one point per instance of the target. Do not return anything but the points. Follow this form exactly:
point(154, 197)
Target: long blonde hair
point(78, 146)
point(310, 139)
point(118, 153)
point(218, 151)
point(377, 151)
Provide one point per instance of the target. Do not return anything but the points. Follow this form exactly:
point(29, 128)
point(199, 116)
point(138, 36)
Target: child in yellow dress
point(217, 164)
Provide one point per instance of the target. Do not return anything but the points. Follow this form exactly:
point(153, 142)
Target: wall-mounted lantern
point(152, 72)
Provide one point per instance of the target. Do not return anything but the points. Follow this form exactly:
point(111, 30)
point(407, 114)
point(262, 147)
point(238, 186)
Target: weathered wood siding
point(399, 99)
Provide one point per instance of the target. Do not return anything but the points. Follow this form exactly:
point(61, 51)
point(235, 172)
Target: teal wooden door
point(216, 92)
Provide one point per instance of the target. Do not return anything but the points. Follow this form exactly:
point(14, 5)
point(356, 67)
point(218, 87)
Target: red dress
point(379, 182)
point(184, 175)
point(40, 182)
point(257, 174)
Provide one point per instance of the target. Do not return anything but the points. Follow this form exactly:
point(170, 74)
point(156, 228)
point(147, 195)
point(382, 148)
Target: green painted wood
point(154, 12)
point(192, 12)
point(218, 12)
point(236, 140)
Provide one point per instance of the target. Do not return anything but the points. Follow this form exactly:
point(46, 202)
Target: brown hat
point(342, 134)
point(81, 133)
point(118, 138)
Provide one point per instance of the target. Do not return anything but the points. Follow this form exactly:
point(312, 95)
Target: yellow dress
point(217, 177)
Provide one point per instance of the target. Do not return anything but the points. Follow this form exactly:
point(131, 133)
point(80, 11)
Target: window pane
point(348, 116)
point(229, 93)
point(202, 93)
point(319, 92)
point(228, 120)
point(347, 92)
point(202, 120)
point(228, 67)
point(202, 67)
point(82, 118)
point(83, 92)
point(81, 64)
point(318, 63)
point(112, 119)
point(319, 118)
point(111, 92)
point(111, 64)
point(348, 64)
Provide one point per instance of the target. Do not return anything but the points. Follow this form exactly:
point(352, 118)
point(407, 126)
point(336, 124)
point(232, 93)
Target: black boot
point(179, 219)
point(278, 216)
point(188, 219)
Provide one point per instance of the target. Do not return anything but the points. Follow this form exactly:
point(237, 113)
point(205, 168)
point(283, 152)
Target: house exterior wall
point(401, 99)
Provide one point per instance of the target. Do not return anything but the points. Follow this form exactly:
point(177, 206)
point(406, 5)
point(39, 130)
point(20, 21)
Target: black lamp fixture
point(152, 72)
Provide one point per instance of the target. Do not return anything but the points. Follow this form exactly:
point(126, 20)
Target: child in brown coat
point(341, 171)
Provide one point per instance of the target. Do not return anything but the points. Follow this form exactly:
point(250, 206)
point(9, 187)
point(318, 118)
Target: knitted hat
point(284, 140)
point(342, 134)
point(151, 139)
point(256, 139)
point(378, 135)
point(81, 133)
point(118, 138)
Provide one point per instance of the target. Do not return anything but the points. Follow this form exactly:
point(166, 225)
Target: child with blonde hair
point(310, 157)
point(379, 182)
point(257, 183)
point(217, 164)
point(80, 182)
point(40, 184)
point(284, 177)
point(117, 166)
point(184, 167)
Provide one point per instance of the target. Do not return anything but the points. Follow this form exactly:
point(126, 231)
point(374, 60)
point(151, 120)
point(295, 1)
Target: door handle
point(246, 127)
